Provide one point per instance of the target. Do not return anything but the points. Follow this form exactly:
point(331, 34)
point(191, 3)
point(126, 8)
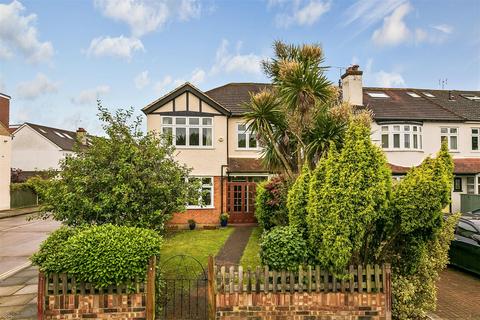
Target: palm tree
point(298, 117)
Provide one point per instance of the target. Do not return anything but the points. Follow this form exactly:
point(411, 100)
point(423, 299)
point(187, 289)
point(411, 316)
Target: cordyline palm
point(293, 119)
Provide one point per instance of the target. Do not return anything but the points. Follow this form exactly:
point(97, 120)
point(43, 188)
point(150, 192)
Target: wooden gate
point(241, 202)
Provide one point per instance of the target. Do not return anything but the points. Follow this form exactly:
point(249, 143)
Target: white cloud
point(228, 62)
point(32, 89)
point(90, 96)
point(18, 33)
point(2, 84)
point(394, 30)
point(122, 47)
point(163, 84)
point(145, 16)
point(142, 80)
point(369, 12)
point(299, 12)
point(198, 76)
point(389, 79)
point(445, 28)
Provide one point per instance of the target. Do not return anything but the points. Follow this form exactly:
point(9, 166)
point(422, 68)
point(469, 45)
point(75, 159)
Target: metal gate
point(241, 201)
point(182, 292)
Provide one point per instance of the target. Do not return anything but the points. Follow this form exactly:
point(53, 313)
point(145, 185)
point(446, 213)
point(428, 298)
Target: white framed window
point(470, 184)
point(205, 200)
point(475, 138)
point(401, 137)
point(451, 136)
point(245, 138)
point(191, 132)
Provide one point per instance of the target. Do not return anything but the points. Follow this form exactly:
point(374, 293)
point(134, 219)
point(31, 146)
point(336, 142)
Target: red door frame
point(241, 202)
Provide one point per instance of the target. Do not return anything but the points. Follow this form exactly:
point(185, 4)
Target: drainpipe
point(221, 169)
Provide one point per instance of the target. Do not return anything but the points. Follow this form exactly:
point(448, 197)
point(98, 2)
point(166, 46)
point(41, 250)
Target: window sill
point(200, 208)
point(193, 148)
point(248, 149)
point(403, 150)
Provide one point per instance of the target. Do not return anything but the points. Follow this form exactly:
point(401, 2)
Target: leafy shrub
point(102, 255)
point(51, 256)
point(283, 248)
point(297, 201)
point(271, 203)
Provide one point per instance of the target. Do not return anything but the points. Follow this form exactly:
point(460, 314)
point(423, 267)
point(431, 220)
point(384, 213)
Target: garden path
point(232, 250)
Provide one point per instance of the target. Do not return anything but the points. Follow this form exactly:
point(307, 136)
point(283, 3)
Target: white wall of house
point(5, 160)
point(32, 152)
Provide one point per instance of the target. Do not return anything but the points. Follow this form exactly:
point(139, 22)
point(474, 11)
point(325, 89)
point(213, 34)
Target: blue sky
point(57, 57)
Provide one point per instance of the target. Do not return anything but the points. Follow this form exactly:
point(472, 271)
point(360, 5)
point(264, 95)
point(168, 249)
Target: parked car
point(476, 211)
point(465, 247)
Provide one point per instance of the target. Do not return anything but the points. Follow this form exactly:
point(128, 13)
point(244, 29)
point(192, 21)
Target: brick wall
point(206, 216)
point(315, 305)
point(99, 306)
point(4, 111)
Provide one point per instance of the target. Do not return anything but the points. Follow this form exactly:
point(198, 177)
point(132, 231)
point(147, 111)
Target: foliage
point(270, 202)
point(349, 191)
point(415, 294)
point(297, 118)
point(251, 254)
point(297, 201)
point(127, 178)
point(224, 217)
point(51, 256)
point(283, 248)
point(102, 255)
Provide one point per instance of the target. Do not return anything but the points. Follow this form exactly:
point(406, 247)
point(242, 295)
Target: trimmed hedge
point(102, 255)
point(283, 248)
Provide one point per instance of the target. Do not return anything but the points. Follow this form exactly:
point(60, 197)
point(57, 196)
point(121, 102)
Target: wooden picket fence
point(235, 279)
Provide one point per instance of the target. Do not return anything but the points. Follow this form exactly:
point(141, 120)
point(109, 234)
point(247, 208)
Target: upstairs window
point(193, 132)
point(245, 138)
point(451, 136)
point(401, 137)
point(475, 138)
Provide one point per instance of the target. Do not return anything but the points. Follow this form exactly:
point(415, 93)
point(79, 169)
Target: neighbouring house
point(211, 137)
point(5, 152)
point(36, 147)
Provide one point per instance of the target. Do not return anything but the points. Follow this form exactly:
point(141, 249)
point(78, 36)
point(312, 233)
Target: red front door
point(241, 202)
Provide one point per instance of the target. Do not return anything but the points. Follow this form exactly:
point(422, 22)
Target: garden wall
point(310, 293)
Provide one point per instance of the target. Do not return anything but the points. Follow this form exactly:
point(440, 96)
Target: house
point(409, 124)
point(5, 152)
point(37, 147)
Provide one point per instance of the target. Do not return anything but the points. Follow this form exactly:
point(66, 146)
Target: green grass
point(197, 243)
point(251, 254)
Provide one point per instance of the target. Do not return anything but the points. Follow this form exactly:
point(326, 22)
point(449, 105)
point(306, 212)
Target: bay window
point(193, 132)
point(451, 136)
point(401, 137)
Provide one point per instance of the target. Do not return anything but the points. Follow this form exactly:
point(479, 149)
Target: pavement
point(19, 238)
point(18, 212)
point(458, 295)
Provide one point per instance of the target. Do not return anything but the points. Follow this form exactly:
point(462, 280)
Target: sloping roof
point(64, 139)
point(186, 87)
point(399, 106)
point(233, 95)
point(245, 165)
point(461, 166)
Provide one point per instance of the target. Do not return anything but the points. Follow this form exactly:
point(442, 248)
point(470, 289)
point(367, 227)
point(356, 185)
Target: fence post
point(211, 289)
point(41, 296)
point(388, 291)
point(150, 308)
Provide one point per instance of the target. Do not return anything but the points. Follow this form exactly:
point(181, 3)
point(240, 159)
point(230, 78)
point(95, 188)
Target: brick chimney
point(352, 87)
point(4, 109)
point(82, 136)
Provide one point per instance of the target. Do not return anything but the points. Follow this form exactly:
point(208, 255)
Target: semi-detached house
point(211, 137)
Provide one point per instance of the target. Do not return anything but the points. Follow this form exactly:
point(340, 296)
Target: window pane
point(242, 140)
point(453, 130)
point(474, 131)
point(207, 136)
point(385, 141)
point(180, 136)
point(474, 143)
point(167, 130)
point(396, 128)
point(470, 185)
point(252, 142)
point(167, 120)
point(207, 181)
point(453, 142)
point(444, 130)
point(421, 142)
point(207, 196)
point(443, 138)
point(415, 141)
point(194, 121)
point(406, 128)
point(180, 121)
point(414, 128)
point(407, 141)
point(194, 139)
point(207, 121)
point(396, 141)
point(241, 127)
point(384, 128)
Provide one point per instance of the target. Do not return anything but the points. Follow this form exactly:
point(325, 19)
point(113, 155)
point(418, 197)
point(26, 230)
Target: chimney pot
point(82, 136)
point(352, 87)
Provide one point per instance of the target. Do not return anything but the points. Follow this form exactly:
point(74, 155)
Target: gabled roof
point(64, 139)
point(186, 87)
point(233, 95)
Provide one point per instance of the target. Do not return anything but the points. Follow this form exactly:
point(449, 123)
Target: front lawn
point(251, 254)
point(197, 243)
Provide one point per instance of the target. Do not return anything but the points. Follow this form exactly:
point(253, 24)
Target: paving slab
point(16, 300)
point(31, 288)
point(8, 290)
